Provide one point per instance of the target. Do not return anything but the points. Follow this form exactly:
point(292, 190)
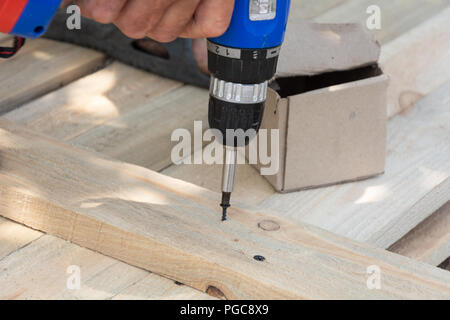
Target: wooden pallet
point(110, 110)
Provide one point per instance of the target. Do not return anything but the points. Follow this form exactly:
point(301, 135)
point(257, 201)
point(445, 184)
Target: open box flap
point(315, 48)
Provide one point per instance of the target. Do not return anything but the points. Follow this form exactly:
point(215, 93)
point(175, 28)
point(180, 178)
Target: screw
point(259, 258)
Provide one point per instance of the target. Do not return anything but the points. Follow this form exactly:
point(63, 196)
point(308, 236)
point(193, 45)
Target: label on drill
point(232, 53)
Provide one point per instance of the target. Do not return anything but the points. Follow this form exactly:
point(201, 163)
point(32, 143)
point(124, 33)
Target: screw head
point(259, 258)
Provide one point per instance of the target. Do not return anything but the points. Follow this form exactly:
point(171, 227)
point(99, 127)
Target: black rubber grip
point(226, 115)
point(250, 69)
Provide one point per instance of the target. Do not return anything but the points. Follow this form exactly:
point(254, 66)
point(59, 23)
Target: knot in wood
point(269, 225)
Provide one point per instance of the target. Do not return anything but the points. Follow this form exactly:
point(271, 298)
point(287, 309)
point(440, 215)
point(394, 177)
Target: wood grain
point(91, 101)
point(154, 287)
point(40, 67)
point(14, 236)
point(40, 271)
point(143, 135)
point(307, 9)
point(31, 261)
point(417, 62)
point(429, 241)
point(173, 228)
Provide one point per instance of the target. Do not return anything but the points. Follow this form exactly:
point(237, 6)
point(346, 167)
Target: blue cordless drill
point(241, 62)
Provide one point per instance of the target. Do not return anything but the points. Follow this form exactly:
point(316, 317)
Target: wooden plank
point(94, 100)
point(429, 241)
point(14, 236)
point(112, 111)
point(417, 62)
point(307, 9)
point(143, 135)
point(397, 16)
point(166, 290)
point(91, 101)
point(40, 271)
point(34, 266)
point(40, 67)
point(174, 229)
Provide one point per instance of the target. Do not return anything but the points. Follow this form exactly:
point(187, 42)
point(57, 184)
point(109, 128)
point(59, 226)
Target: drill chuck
point(238, 90)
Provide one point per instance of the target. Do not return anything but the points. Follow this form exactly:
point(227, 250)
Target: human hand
point(161, 20)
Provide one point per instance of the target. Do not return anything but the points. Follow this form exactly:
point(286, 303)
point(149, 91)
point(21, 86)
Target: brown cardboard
point(332, 125)
point(330, 135)
point(313, 48)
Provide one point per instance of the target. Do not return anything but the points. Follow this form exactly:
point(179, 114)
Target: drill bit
point(228, 175)
point(225, 204)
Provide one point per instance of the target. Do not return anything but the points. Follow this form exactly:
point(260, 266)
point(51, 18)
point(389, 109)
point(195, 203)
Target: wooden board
point(118, 111)
point(74, 112)
point(40, 67)
point(397, 16)
point(91, 101)
point(174, 229)
point(429, 241)
point(307, 9)
point(46, 262)
point(14, 236)
point(26, 272)
point(143, 135)
point(417, 62)
point(166, 290)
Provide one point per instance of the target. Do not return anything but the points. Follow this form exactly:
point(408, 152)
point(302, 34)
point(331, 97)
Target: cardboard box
point(331, 111)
